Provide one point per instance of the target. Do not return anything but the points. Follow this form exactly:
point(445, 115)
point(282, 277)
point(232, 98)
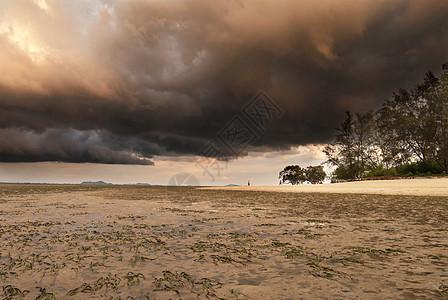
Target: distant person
point(248, 183)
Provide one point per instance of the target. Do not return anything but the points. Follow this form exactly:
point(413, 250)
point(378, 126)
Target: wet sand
point(124, 242)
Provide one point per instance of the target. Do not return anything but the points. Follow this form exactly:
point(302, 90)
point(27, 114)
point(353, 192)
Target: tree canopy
point(409, 133)
point(295, 174)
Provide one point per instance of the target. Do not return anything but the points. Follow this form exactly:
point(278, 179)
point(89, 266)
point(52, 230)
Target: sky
point(135, 90)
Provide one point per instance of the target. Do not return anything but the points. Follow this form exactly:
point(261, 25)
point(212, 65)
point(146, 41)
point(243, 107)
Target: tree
point(342, 153)
point(438, 101)
point(296, 175)
point(367, 143)
point(315, 174)
point(411, 128)
point(414, 123)
point(293, 174)
point(408, 125)
point(357, 148)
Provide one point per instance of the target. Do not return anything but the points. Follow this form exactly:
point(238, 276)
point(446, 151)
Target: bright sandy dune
point(417, 187)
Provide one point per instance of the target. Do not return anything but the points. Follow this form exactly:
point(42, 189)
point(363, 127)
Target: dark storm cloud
point(64, 145)
point(162, 78)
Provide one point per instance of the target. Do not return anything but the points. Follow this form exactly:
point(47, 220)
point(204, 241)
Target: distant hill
point(233, 184)
point(96, 183)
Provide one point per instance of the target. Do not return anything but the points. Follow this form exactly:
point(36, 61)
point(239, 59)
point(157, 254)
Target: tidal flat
point(150, 242)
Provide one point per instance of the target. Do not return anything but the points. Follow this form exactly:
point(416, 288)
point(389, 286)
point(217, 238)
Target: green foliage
point(354, 150)
point(340, 173)
point(408, 136)
point(381, 171)
point(296, 175)
point(293, 174)
point(315, 174)
point(421, 168)
point(344, 173)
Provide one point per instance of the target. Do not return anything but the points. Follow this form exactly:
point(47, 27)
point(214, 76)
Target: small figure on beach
point(248, 183)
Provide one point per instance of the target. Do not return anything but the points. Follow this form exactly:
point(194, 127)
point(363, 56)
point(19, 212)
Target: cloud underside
point(67, 145)
point(120, 82)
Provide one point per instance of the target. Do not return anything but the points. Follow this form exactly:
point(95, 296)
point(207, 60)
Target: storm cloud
point(65, 145)
point(123, 81)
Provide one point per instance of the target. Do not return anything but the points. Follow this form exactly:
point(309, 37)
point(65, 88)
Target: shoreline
point(410, 187)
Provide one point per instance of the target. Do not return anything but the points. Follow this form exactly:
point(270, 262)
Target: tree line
point(407, 136)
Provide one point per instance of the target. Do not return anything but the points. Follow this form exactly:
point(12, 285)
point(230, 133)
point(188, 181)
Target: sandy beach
point(128, 242)
point(412, 187)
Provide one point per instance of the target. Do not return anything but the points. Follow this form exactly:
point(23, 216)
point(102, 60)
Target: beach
point(412, 187)
point(129, 242)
